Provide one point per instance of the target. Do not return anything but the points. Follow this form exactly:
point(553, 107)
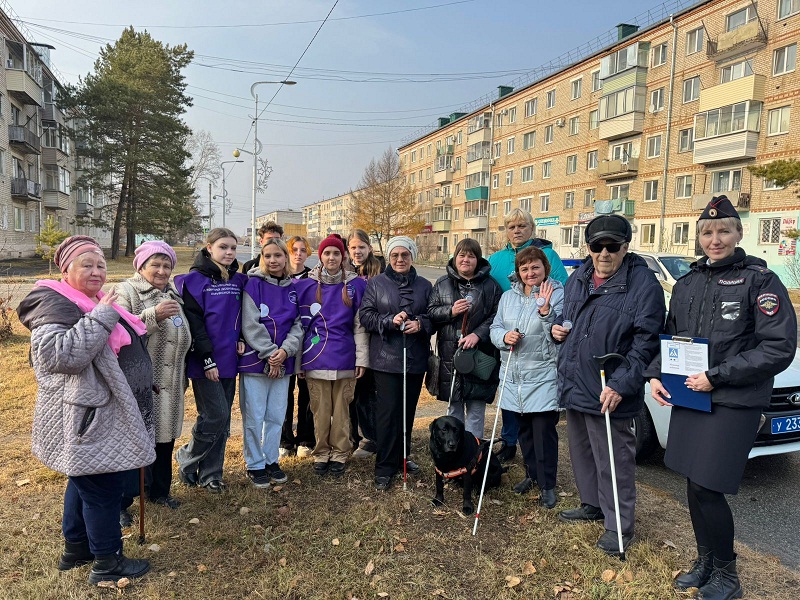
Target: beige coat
point(168, 341)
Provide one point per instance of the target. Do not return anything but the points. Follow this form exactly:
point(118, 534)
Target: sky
point(372, 75)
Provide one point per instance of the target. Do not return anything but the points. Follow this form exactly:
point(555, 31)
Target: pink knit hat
point(144, 252)
point(72, 247)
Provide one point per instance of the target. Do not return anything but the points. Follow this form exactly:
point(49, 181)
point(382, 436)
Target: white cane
point(601, 360)
point(491, 442)
point(405, 377)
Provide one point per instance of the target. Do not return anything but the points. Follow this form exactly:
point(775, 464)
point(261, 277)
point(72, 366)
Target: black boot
point(723, 583)
point(698, 575)
point(75, 555)
point(113, 567)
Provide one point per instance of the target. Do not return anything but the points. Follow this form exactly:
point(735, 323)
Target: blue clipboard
point(676, 384)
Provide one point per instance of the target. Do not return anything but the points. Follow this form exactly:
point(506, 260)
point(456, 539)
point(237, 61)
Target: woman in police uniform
point(745, 312)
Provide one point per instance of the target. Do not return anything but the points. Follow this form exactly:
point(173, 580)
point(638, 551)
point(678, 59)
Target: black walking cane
point(601, 361)
point(141, 505)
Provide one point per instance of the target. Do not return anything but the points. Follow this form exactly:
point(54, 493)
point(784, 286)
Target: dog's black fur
point(453, 448)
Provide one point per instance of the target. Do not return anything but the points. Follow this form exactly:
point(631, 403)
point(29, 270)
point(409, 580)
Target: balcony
point(443, 200)
point(24, 140)
point(741, 40)
point(446, 150)
point(622, 126)
point(732, 92)
point(441, 225)
point(618, 169)
point(740, 200)
point(84, 209)
point(443, 176)
point(23, 87)
point(629, 208)
point(51, 112)
point(733, 146)
point(56, 200)
point(25, 189)
point(477, 193)
point(477, 222)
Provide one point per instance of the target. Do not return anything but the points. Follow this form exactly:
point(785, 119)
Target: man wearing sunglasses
point(615, 305)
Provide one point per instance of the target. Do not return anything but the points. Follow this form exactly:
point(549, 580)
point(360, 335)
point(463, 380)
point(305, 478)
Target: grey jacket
point(86, 420)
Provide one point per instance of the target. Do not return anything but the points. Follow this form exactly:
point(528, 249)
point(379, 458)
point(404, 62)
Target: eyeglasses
point(399, 256)
point(597, 247)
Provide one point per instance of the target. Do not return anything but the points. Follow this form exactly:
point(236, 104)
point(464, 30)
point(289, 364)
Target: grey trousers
point(588, 451)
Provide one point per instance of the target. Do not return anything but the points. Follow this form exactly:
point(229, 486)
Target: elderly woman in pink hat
point(151, 296)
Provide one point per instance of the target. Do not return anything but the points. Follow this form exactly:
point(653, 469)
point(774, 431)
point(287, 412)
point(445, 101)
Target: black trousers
point(362, 412)
point(161, 471)
point(389, 419)
point(305, 419)
point(538, 441)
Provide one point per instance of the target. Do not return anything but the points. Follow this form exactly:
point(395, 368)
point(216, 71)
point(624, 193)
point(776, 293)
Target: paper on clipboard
point(683, 355)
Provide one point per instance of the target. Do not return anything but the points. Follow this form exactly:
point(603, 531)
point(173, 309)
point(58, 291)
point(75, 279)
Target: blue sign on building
point(547, 221)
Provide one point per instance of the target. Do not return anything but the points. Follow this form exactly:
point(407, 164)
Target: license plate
point(785, 424)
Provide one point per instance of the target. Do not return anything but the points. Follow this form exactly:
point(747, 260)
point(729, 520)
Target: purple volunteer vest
point(278, 306)
point(328, 343)
point(221, 302)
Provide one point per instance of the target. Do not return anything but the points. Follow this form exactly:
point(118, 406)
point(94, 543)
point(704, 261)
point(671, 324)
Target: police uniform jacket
point(745, 312)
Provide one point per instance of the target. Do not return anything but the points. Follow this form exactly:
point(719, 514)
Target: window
point(620, 192)
point(575, 87)
point(683, 186)
point(546, 169)
point(525, 204)
point(506, 207)
point(778, 121)
point(691, 89)
point(498, 149)
point(740, 17)
point(770, 184)
point(651, 190)
point(456, 216)
point(784, 60)
point(493, 209)
point(737, 70)
point(726, 181)
point(657, 100)
point(591, 159)
point(510, 146)
point(458, 163)
point(429, 150)
point(686, 140)
point(530, 107)
point(459, 138)
point(476, 180)
point(769, 231)
point(495, 181)
point(548, 134)
point(573, 125)
point(659, 55)
point(572, 164)
point(654, 146)
point(588, 197)
point(544, 202)
point(728, 119)
point(550, 100)
point(527, 174)
point(529, 140)
point(413, 156)
point(32, 221)
point(1, 105)
point(498, 119)
point(2, 162)
point(621, 102)
point(680, 234)
point(594, 119)
point(512, 114)
point(566, 236)
point(427, 173)
point(19, 219)
point(622, 152)
point(596, 83)
point(413, 178)
point(509, 177)
point(457, 190)
point(787, 8)
point(569, 199)
point(694, 40)
point(648, 234)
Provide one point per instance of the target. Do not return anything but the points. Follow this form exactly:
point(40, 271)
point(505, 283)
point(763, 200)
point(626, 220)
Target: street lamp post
point(257, 147)
point(224, 191)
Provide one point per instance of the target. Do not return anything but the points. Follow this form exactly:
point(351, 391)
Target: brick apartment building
point(650, 128)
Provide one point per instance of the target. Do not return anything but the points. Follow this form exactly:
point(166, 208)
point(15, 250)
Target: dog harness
point(472, 467)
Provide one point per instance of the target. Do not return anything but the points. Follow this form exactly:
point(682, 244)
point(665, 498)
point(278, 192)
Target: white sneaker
point(362, 453)
point(304, 451)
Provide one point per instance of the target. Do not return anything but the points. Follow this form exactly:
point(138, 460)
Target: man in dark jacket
point(615, 304)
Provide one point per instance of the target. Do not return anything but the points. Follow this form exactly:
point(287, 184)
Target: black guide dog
point(460, 457)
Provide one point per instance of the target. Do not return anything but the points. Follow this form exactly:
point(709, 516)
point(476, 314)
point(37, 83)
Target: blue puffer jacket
point(625, 315)
point(502, 262)
point(531, 381)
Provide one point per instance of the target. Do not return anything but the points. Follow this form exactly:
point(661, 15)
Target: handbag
point(432, 374)
point(473, 361)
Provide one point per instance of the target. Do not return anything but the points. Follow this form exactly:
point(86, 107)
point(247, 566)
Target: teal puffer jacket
point(502, 262)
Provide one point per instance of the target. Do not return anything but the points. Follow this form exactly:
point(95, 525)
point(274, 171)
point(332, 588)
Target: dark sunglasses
point(597, 247)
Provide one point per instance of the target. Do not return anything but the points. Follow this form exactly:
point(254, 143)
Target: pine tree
point(50, 236)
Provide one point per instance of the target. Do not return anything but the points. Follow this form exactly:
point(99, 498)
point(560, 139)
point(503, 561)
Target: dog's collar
point(472, 467)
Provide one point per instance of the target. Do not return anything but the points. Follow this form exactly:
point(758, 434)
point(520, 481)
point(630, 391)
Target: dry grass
point(313, 539)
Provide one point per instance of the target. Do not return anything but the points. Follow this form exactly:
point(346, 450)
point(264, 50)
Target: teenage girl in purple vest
point(272, 333)
point(334, 353)
point(212, 296)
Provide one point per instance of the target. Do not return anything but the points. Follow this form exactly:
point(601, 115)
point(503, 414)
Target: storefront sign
point(547, 221)
point(787, 246)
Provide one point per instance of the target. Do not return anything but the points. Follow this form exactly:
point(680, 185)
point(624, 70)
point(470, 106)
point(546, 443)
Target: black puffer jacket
point(388, 294)
point(486, 294)
point(745, 312)
point(625, 315)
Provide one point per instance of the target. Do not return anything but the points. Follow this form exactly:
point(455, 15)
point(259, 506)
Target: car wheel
point(645, 432)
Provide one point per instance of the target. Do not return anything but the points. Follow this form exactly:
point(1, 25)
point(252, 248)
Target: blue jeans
point(205, 452)
point(475, 412)
point(91, 511)
point(510, 431)
point(263, 404)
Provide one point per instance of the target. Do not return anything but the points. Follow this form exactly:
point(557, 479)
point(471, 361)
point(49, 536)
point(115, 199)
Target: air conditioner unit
point(504, 112)
point(560, 122)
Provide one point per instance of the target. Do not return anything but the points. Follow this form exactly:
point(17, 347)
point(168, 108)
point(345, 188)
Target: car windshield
point(677, 266)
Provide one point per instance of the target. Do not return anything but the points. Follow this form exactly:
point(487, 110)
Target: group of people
point(354, 337)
